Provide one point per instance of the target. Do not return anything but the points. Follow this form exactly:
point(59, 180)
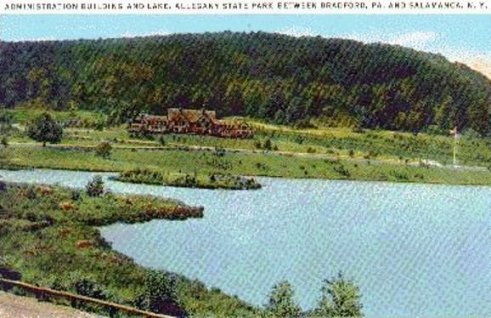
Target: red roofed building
point(189, 121)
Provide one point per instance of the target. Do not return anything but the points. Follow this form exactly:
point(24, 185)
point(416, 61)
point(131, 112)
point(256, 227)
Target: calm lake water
point(414, 250)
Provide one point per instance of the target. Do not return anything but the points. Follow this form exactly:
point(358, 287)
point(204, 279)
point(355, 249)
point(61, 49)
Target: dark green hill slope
point(270, 76)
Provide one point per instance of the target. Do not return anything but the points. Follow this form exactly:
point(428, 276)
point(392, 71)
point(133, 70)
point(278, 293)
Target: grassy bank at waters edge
point(48, 235)
point(204, 163)
point(213, 181)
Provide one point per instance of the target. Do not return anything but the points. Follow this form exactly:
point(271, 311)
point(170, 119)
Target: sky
point(463, 38)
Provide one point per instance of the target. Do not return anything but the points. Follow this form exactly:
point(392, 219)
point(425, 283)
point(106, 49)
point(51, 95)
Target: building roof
point(191, 115)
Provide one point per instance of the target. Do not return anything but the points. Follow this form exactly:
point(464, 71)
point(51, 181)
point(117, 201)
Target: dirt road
point(12, 306)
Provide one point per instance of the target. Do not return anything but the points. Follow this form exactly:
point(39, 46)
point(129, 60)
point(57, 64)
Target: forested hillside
point(275, 77)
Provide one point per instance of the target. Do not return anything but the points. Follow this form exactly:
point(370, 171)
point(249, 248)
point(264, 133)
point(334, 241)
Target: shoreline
point(113, 176)
point(71, 231)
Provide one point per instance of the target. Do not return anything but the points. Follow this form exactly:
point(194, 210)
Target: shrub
point(160, 294)
point(340, 298)
point(267, 144)
point(4, 142)
point(103, 149)
point(100, 124)
point(281, 301)
point(3, 186)
point(89, 288)
point(95, 187)
point(29, 192)
point(75, 195)
point(342, 170)
point(219, 152)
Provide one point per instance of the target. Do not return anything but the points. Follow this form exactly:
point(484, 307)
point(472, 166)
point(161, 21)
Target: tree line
point(340, 297)
point(278, 78)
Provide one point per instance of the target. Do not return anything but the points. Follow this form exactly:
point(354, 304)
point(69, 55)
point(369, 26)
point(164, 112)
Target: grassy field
point(48, 235)
point(340, 142)
point(208, 162)
point(278, 151)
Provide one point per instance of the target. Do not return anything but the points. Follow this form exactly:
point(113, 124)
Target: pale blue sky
point(459, 37)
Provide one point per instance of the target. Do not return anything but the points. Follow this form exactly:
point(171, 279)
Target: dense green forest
point(278, 78)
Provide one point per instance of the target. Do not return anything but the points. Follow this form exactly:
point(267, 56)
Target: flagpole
point(455, 148)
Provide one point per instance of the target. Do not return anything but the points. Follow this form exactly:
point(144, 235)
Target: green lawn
point(206, 163)
point(331, 153)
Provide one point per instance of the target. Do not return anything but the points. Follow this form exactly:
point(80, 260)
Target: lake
point(414, 249)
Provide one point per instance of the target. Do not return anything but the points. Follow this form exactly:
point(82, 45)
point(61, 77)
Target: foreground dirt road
point(24, 307)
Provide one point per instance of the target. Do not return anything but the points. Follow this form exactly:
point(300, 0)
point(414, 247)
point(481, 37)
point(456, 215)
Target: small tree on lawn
point(340, 298)
point(95, 187)
point(281, 301)
point(103, 149)
point(45, 129)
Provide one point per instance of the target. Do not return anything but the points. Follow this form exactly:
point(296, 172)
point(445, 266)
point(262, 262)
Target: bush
point(282, 302)
point(3, 186)
point(29, 192)
point(160, 294)
point(89, 288)
point(103, 150)
point(340, 298)
point(75, 195)
point(95, 188)
point(433, 130)
point(100, 124)
point(342, 170)
point(4, 142)
point(219, 152)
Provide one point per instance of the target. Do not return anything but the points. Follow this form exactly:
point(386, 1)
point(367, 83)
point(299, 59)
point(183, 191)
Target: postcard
point(245, 158)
